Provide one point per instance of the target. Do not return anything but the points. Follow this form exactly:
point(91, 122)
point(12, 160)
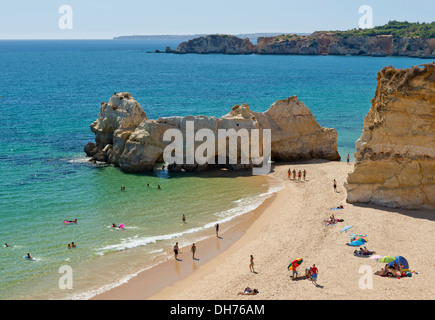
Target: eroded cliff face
point(395, 155)
point(326, 43)
point(126, 138)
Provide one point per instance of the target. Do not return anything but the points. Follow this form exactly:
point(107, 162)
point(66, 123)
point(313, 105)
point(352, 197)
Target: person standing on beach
point(299, 175)
point(184, 218)
point(347, 158)
point(314, 272)
point(335, 185)
point(251, 265)
point(304, 173)
point(294, 174)
point(289, 173)
point(193, 250)
point(217, 230)
point(176, 249)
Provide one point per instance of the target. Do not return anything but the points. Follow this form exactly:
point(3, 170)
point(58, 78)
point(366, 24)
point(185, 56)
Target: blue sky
point(104, 19)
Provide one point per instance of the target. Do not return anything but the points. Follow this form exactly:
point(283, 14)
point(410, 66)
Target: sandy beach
point(290, 225)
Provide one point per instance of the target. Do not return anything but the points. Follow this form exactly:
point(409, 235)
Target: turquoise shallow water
point(50, 93)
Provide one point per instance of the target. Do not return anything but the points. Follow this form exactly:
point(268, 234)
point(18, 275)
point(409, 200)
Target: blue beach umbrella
point(400, 260)
point(346, 228)
point(356, 243)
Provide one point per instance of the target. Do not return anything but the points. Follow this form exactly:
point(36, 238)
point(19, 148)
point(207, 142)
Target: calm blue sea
point(51, 92)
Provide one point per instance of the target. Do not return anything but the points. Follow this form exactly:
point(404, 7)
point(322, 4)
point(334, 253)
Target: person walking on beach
point(217, 230)
point(193, 250)
point(314, 273)
point(295, 273)
point(304, 173)
point(335, 185)
point(251, 264)
point(176, 249)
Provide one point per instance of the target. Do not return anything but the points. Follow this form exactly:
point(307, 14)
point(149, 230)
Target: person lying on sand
point(380, 273)
point(363, 252)
point(366, 251)
point(248, 291)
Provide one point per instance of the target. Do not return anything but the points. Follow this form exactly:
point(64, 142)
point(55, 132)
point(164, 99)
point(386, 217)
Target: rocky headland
point(318, 43)
point(224, 44)
point(395, 155)
point(393, 39)
point(125, 137)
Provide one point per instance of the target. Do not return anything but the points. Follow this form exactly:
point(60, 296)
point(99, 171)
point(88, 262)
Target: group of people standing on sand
point(300, 174)
point(177, 251)
point(176, 248)
point(310, 272)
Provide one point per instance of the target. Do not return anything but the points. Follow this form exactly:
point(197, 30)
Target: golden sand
point(288, 226)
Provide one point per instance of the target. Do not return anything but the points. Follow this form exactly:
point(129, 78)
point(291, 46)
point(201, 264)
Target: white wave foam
point(85, 160)
point(136, 241)
point(244, 205)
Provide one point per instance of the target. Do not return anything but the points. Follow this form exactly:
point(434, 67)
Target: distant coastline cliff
point(322, 43)
point(395, 155)
point(414, 40)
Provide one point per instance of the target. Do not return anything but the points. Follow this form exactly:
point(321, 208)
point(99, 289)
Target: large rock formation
point(395, 155)
point(126, 138)
point(116, 122)
point(226, 44)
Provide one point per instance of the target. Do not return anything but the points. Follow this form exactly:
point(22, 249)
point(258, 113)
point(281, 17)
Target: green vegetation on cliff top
point(394, 28)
